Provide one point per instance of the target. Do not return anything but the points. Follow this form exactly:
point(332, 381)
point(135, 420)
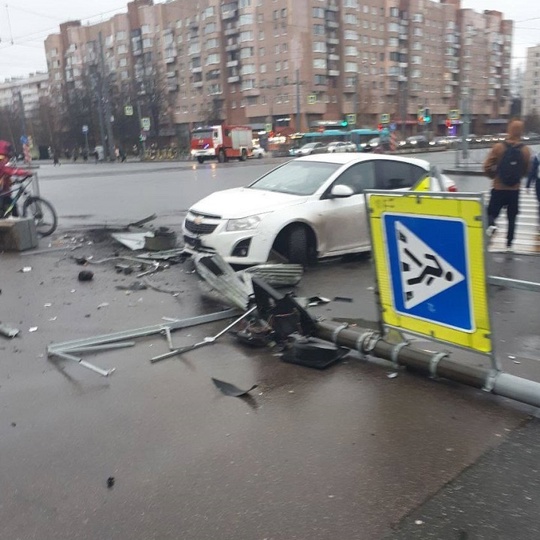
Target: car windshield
point(297, 177)
point(309, 145)
point(202, 134)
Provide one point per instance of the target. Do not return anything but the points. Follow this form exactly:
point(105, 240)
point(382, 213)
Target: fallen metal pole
point(206, 341)
point(83, 363)
point(430, 363)
point(514, 283)
point(142, 332)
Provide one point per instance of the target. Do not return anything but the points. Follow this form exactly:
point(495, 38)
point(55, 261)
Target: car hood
point(242, 202)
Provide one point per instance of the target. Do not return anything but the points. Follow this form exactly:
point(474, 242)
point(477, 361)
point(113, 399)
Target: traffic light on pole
point(427, 116)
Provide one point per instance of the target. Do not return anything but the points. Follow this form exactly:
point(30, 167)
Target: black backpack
point(510, 168)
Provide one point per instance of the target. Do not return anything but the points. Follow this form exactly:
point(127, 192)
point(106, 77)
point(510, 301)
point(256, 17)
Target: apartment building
point(531, 82)
point(21, 98)
point(300, 64)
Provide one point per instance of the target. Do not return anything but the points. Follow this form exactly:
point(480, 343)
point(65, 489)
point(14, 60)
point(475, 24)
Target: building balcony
point(333, 73)
point(332, 8)
point(231, 31)
point(170, 59)
point(403, 64)
point(251, 92)
point(334, 57)
point(332, 24)
point(232, 63)
point(332, 41)
point(233, 79)
point(196, 69)
point(198, 84)
point(229, 14)
point(232, 47)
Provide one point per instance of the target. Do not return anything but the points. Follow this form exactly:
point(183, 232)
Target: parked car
point(258, 152)
point(339, 146)
point(311, 148)
point(307, 208)
point(416, 141)
point(371, 145)
point(439, 141)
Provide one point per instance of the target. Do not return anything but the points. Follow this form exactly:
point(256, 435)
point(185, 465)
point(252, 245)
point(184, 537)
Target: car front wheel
point(297, 246)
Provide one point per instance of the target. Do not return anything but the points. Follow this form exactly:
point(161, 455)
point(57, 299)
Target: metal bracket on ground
point(396, 350)
point(337, 330)
point(434, 362)
point(491, 378)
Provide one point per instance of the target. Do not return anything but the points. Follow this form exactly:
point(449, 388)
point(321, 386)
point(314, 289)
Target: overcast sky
point(24, 24)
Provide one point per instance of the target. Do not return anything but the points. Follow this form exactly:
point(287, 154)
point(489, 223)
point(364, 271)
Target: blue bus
point(360, 137)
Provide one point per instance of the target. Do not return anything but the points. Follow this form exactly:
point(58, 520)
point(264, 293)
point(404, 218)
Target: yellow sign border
point(468, 210)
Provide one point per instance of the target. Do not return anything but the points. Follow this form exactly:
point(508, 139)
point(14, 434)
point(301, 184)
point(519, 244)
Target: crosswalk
point(527, 235)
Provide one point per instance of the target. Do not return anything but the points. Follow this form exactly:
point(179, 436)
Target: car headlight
point(243, 224)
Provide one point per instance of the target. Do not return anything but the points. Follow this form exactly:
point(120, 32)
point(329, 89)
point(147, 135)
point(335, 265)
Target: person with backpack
point(506, 164)
point(533, 177)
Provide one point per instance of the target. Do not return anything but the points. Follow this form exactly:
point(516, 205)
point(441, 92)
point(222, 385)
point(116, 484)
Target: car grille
point(200, 228)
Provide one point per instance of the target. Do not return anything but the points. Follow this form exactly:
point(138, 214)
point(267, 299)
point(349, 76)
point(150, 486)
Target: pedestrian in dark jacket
point(505, 193)
point(533, 177)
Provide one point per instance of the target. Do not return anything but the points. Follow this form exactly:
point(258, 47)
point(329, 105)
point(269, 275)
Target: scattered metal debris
point(230, 389)
point(222, 280)
point(206, 341)
point(141, 221)
point(110, 482)
point(118, 339)
point(277, 275)
point(26, 269)
point(8, 331)
point(135, 286)
point(133, 241)
point(342, 299)
point(33, 329)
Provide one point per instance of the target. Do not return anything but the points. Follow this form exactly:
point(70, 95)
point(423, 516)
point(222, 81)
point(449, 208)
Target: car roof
point(351, 157)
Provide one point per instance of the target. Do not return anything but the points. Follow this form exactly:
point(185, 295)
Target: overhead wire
point(35, 36)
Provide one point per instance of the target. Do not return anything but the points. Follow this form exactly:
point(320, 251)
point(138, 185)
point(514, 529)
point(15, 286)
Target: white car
point(258, 152)
point(307, 208)
point(310, 148)
point(340, 146)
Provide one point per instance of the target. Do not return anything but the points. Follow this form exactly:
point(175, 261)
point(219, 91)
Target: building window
point(319, 63)
point(319, 46)
point(318, 13)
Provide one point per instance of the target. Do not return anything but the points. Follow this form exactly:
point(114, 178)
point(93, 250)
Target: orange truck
point(221, 142)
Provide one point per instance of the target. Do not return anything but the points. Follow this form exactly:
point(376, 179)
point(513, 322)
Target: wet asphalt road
point(345, 453)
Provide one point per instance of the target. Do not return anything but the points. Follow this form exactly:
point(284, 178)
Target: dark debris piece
point(110, 482)
point(231, 390)
point(86, 275)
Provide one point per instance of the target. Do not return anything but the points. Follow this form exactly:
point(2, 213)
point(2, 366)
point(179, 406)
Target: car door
point(342, 222)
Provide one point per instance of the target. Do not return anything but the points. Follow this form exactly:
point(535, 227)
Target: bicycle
point(34, 206)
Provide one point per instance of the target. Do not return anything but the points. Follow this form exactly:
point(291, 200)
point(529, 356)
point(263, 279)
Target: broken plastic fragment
point(392, 375)
point(231, 390)
point(33, 329)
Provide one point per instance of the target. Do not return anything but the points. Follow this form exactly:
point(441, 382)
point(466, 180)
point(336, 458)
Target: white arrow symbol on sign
point(424, 273)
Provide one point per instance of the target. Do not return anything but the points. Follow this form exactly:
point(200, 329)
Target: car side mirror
point(341, 191)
